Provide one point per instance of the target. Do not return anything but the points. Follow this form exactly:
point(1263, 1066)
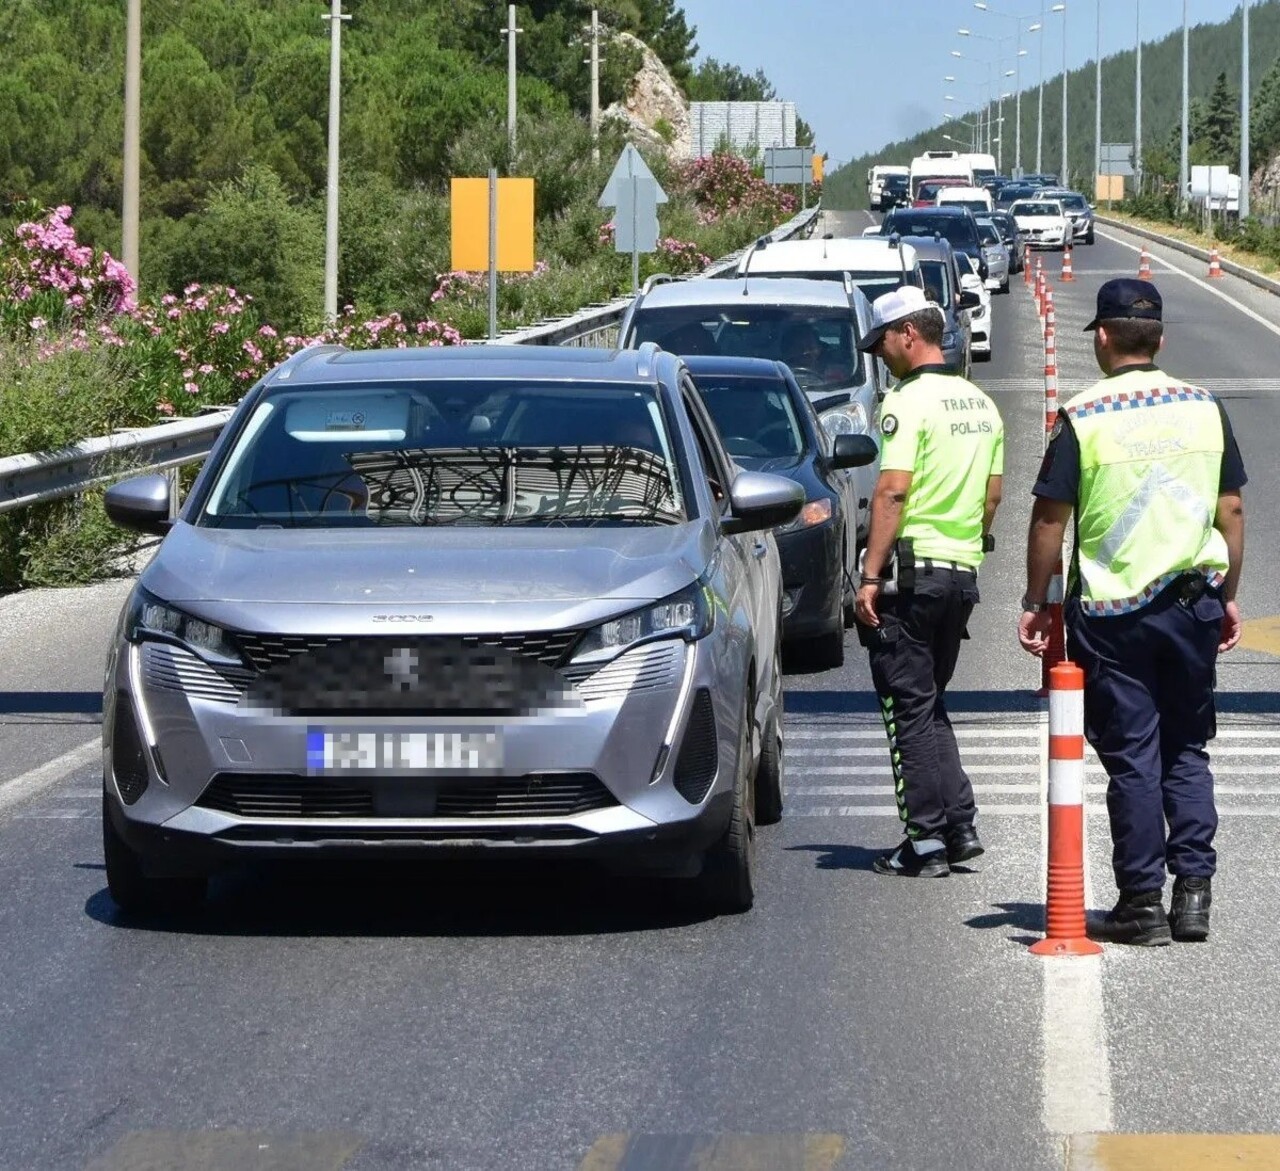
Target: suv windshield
point(957, 230)
point(817, 343)
point(449, 453)
point(755, 416)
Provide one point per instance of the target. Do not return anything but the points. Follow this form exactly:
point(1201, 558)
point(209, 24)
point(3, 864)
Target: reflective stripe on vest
point(1150, 464)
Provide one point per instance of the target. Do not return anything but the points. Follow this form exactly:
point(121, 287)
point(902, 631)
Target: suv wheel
point(1088, 236)
point(135, 892)
point(728, 880)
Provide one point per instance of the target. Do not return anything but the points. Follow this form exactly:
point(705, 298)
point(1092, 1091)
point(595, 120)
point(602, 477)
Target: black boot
point(1189, 909)
point(1137, 918)
point(962, 844)
point(908, 862)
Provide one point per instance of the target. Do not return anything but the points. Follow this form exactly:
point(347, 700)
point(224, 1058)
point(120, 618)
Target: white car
point(979, 317)
point(1042, 222)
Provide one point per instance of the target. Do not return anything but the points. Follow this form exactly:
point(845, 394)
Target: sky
point(864, 73)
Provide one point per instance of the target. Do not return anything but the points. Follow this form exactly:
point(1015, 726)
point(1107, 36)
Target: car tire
point(727, 884)
point(1004, 288)
point(135, 891)
point(1088, 238)
point(982, 356)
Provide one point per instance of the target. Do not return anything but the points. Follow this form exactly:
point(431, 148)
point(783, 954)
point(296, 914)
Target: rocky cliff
point(655, 111)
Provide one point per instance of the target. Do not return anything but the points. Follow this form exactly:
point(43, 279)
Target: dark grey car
point(488, 600)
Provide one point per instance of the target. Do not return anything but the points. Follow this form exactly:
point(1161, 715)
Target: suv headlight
point(815, 512)
point(850, 419)
point(148, 615)
point(688, 614)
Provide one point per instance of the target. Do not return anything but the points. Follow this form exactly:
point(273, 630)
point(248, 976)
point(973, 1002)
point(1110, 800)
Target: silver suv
point(482, 600)
point(811, 325)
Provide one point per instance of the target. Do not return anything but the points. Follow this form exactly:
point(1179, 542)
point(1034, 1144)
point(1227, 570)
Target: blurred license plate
point(403, 752)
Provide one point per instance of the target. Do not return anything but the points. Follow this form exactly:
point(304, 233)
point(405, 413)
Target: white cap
point(891, 307)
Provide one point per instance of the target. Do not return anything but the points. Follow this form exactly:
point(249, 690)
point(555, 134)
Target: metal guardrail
point(40, 477)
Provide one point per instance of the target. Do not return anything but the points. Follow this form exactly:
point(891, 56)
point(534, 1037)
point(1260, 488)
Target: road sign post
point(491, 227)
point(789, 166)
point(634, 194)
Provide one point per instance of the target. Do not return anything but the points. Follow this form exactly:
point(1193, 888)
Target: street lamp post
point(1244, 110)
point(1097, 107)
point(990, 102)
point(1183, 144)
point(998, 42)
point(1137, 96)
point(1062, 173)
point(1040, 103)
point(1019, 53)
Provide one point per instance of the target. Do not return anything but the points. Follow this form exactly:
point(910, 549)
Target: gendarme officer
point(1151, 469)
point(941, 468)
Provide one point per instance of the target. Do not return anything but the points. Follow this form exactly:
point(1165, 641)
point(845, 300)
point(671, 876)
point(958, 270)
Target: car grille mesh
point(698, 759)
point(172, 668)
point(265, 651)
point(252, 795)
point(646, 668)
point(128, 759)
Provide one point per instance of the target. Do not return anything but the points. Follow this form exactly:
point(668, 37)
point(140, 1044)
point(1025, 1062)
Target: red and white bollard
point(1066, 930)
point(1215, 265)
point(1144, 265)
point(1050, 327)
point(1026, 265)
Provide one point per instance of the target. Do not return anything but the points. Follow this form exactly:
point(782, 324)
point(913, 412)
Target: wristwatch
point(1030, 607)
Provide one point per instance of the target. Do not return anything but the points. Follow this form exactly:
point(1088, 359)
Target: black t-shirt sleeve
point(1232, 477)
point(1059, 477)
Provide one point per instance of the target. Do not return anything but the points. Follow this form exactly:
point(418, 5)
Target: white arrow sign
point(630, 165)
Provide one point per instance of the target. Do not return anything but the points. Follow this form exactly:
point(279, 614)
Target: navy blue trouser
point(1148, 712)
point(913, 656)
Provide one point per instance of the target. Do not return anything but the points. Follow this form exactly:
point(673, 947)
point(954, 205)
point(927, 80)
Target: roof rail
point(646, 352)
point(285, 370)
point(658, 278)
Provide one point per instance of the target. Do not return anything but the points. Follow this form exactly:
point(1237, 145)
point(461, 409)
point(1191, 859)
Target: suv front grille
point(549, 795)
point(265, 651)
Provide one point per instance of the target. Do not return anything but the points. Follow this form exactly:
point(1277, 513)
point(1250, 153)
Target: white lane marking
point(1204, 284)
point(878, 733)
point(1076, 1073)
point(38, 779)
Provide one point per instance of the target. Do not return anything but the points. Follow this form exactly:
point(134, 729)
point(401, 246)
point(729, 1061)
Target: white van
point(976, 199)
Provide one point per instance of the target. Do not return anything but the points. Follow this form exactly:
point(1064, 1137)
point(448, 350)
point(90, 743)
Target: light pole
point(998, 42)
point(1182, 159)
point(1097, 106)
point(1040, 103)
point(954, 80)
point(335, 17)
point(1244, 111)
point(1019, 53)
point(990, 103)
point(1137, 95)
point(1062, 175)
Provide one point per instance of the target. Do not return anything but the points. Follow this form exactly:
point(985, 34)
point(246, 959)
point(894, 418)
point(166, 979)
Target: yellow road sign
point(469, 225)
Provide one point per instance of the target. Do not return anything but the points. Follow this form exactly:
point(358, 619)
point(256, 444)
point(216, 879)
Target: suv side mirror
point(759, 501)
point(853, 451)
point(969, 300)
point(140, 504)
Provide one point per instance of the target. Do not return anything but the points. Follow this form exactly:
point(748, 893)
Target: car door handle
point(760, 548)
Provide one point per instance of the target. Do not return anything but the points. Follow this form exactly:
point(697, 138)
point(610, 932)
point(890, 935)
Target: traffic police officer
point(1151, 469)
point(941, 468)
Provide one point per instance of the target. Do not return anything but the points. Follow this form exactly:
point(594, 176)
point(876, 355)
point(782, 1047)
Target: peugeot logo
point(401, 666)
point(404, 617)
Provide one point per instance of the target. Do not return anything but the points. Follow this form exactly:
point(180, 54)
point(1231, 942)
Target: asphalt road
point(431, 1017)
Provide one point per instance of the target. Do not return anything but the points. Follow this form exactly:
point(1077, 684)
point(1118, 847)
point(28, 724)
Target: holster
point(904, 552)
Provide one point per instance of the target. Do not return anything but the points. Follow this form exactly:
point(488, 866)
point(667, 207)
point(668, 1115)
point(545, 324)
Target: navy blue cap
point(1127, 297)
